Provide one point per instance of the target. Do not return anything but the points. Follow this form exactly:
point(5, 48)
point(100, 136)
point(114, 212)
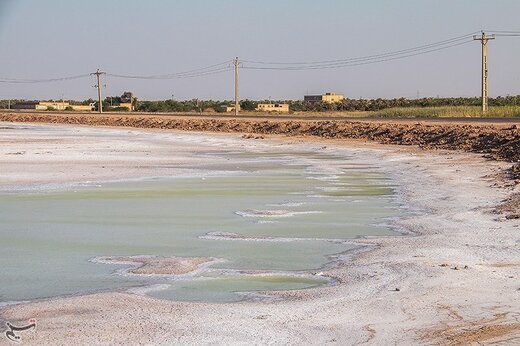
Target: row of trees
point(304, 106)
point(182, 106)
point(195, 105)
point(379, 104)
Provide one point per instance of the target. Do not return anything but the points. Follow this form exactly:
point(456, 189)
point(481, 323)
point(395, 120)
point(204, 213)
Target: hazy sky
point(55, 38)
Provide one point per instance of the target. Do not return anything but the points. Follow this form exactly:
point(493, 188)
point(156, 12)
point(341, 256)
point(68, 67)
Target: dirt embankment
point(500, 142)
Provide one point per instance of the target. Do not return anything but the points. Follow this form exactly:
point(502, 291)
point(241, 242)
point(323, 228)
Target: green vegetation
point(508, 106)
point(425, 107)
point(461, 111)
point(182, 106)
point(116, 109)
point(4, 104)
point(248, 105)
point(366, 105)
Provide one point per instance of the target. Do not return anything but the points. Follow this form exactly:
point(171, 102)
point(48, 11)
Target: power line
point(508, 35)
point(200, 74)
point(227, 66)
point(503, 32)
point(371, 57)
point(355, 63)
point(212, 69)
point(50, 80)
point(204, 71)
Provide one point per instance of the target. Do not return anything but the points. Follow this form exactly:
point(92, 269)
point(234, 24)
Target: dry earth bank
point(499, 141)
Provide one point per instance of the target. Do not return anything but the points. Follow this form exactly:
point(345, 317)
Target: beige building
point(83, 108)
point(326, 98)
point(273, 107)
point(59, 106)
point(127, 105)
point(230, 109)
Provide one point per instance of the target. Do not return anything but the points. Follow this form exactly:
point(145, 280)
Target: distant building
point(128, 106)
point(25, 105)
point(273, 107)
point(83, 108)
point(326, 98)
point(127, 101)
point(58, 106)
point(230, 109)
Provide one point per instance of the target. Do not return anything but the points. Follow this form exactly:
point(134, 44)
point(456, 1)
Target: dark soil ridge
point(498, 142)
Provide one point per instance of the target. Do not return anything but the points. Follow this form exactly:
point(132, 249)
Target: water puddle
point(272, 220)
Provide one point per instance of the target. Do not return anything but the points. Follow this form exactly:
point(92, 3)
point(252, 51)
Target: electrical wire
point(506, 35)
point(372, 57)
point(288, 66)
point(212, 69)
point(199, 72)
point(354, 63)
point(503, 32)
point(26, 81)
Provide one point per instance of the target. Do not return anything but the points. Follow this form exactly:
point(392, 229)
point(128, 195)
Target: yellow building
point(273, 107)
point(230, 109)
point(332, 98)
point(126, 105)
point(82, 108)
point(52, 105)
point(59, 106)
point(326, 98)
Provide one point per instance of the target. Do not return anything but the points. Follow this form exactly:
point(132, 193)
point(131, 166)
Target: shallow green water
point(305, 198)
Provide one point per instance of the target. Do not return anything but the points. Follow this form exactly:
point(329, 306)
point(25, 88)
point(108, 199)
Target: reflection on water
point(285, 211)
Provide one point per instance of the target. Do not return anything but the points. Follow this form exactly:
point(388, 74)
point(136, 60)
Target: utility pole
point(199, 106)
point(99, 86)
point(236, 63)
point(484, 40)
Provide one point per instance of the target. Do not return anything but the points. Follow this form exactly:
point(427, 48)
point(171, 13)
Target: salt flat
point(453, 279)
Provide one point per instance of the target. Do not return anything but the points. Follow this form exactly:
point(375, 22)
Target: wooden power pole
point(99, 86)
point(484, 40)
point(236, 63)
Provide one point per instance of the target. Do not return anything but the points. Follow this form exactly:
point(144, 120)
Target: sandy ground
point(453, 280)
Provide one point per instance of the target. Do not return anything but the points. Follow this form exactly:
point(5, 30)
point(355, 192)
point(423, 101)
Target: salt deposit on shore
point(154, 265)
point(453, 280)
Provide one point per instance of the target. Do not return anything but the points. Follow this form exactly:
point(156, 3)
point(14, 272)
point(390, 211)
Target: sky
point(60, 38)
